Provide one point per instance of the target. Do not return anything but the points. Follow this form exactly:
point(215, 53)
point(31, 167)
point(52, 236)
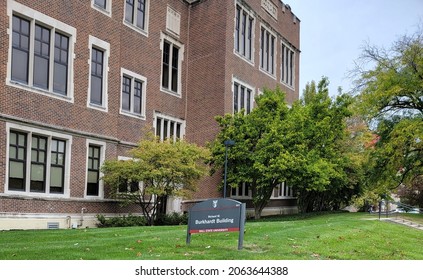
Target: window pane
point(21, 153)
point(165, 71)
point(96, 77)
point(12, 152)
point(16, 169)
point(129, 11)
point(141, 14)
point(37, 172)
point(41, 75)
point(92, 189)
point(137, 97)
point(56, 177)
point(60, 78)
point(20, 65)
point(159, 127)
point(96, 87)
point(175, 62)
point(235, 98)
point(178, 131)
point(20, 49)
point(41, 56)
point(61, 53)
point(100, 3)
point(126, 94)
point(92, 176)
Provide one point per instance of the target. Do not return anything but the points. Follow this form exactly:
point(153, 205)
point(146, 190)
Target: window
point(267, 51)
point(93, 180)
point(97, 65)
point(171, 66)
point(283, 190)
point(243, 190)
point(17, 160)
point(95, 158)
point(244, 27)
point(100, 3)
point(243, 98)
point(104, 6)
point(97, 92)
point(133, 94)
point(41, 53)
point(136, 14)
point(169, 128)
point(288, 61)
point(38, 162)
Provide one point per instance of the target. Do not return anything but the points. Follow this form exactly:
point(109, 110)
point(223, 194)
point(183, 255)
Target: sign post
point(217, 215)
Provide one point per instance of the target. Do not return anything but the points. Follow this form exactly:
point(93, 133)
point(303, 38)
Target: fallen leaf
point(139, 241)
point(139, 254)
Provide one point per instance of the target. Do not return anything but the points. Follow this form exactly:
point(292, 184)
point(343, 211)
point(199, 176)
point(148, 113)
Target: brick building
point(82, 80)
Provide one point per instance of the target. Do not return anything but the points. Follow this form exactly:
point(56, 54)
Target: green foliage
point(258, 157)
point(159, 170)
point(136, 221)
point(121, 221)
point(172, 219)
point(303, 145)
point(390, 99)
point(326, 177)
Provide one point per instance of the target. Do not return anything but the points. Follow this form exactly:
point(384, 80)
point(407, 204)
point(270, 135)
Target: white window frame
point(243, 196)
point(279, 191)
point(15, 8)
point(102, 146)
point(49, 135)
point(171, 119)
point(163, 38)
point(247, 86)
point(104, 46)
point(284, 68)
point(271, 73)
point(252, 49)
point(133, 26)
point(107, 11)
point(134, 77)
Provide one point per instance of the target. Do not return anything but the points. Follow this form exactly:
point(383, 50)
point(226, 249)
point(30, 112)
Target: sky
point(333, 33)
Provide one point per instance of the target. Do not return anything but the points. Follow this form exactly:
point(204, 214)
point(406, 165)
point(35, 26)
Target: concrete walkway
point(405, 222)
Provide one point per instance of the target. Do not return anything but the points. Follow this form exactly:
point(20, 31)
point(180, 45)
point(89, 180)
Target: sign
point(270, 8)
point(217, 215)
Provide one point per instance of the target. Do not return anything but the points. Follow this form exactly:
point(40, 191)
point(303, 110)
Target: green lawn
point(345, 236)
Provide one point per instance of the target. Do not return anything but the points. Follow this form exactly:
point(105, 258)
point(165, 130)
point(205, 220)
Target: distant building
point(81, 80)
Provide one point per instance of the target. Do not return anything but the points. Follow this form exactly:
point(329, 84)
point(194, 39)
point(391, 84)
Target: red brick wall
point(209, 64)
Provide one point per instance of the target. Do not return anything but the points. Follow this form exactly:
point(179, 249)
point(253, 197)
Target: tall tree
point(299, 145)
point(390, 98)
point(156, 171)
point(258, 158)
point(326, 177)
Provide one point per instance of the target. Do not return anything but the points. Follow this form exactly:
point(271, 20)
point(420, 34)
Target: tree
point(390, 99)
point(299, 145)
point(156, 171)
point(258, 157)
point(326, 178)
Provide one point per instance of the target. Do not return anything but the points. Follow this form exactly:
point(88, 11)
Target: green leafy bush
point(172, 219)
point(121, 221)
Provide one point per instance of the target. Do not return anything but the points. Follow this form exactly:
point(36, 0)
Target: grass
point(343, 236)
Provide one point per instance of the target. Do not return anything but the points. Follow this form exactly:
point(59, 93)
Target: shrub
point(121, 221)
point(172, 219)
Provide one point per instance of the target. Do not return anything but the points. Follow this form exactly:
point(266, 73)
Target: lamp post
point(227, 143)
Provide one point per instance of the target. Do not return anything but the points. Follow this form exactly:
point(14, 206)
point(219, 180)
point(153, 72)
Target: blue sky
point(333, 33)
